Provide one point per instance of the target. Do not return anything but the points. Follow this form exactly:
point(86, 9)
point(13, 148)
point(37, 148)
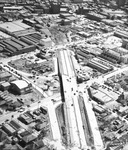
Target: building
point(8, 129)
point(78, 1)
point(41, 126)
point(46, 32)
point(47, 42)
point(95, 16)
point(101, 97)
point(55, 8)
point(98, 109)
point(11, 47)
point(3, 135)
point(4, 76)
point(121, 34)
point(5, 86)
point(120, 3)
point(21, 87)
point(25, 118)
point(100, 65)
point(29, 138)
point(38, 144)
point(125, 43)
point(15, 125)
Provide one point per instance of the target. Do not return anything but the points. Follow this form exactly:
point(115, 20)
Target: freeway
point(71, 124)
point(82, 139)
point(74, 124)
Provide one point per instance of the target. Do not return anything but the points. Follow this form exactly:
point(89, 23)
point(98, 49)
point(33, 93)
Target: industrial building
point(115, 55)
point(101, 97)
point(11, 47)
point(47, 42)
point(121, 34)
point(25, 118)
point(15, 26)
point(21, 87)
point(99, 65)
point(15, 125)
point(95, 16)
point(4, 86)
point(8, 129)
point(4, 76)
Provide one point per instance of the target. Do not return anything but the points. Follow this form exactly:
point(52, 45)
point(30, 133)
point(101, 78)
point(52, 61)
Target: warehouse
point(84, 54)
point(4, 86)
point(55, 8)
point(29, 138)
point(12, 27)
point(101, 97)
point(8, 129)
point(100, 67)
point(98, 109)
point(13, 44)
point(4, 35)
point(47, 42)
point(113, 54)
point(12, 8)
point(14, 47)
point(25, 118)
point(104, 56)
point(29, 22)
point(21, 87)
point(46, 32)
point(15, 125)
point(4, 76)
point(121, 34)
point(125, 43)
point(19, 42)
point(41, 126)
point(31, 38)
point(95, 16)
point(24, 32)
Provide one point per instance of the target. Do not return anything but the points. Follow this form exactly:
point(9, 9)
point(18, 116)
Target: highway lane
point(71, 118)
point(83, 142)
point(74, 124)
point(98, 143)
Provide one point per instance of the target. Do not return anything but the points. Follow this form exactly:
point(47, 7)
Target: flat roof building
point(21, 86)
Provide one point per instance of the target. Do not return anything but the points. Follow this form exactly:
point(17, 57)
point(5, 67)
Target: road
point(103, 78)
point(98, 143)
point(32, 107)
point(74, 124)
point(71, 92)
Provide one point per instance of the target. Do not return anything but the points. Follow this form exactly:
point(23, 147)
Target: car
point(21, 110)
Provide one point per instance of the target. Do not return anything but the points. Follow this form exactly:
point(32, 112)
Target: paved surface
point(73, 113)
